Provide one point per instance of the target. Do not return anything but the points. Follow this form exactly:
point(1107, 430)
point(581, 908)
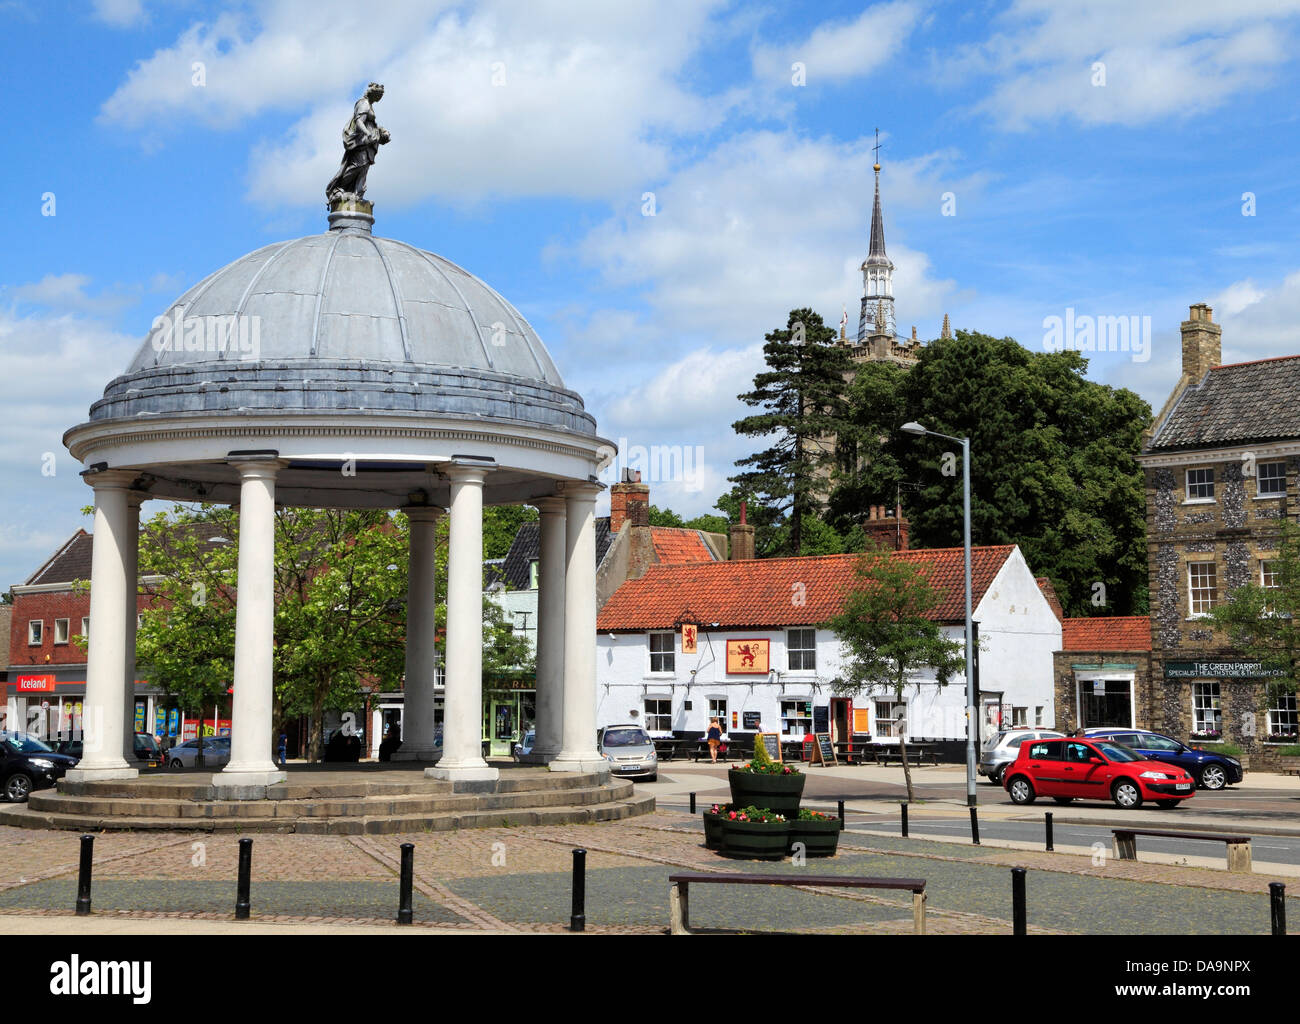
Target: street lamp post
point(918, 430)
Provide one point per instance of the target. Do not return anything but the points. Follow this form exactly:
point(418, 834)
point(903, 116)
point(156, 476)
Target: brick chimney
point(1202, 342)
point(629, 500)
point(886, 527)
point(742, 538)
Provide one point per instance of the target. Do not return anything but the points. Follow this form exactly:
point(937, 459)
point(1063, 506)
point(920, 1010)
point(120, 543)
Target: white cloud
point(1175, 58)
point(1259, 322)
point(119, 13)
point(588, 93)
point(840, 50)
point(66, 292)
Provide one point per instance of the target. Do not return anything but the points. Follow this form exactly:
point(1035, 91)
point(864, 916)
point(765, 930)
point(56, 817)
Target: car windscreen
point(1118, 752)
point(26, 743)
point(626, 738)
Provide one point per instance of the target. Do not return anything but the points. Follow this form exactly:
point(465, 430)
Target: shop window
point(60, 631)
point(1283, 723)
point(659, 714)
point(1202, 587)
point(796, 718)
point(802, 647)
point(662, 647)
point(1207, 714)
point(1270, 479)
point(1200, 485)
point(36, 631)
point(718, 710)
point(889, 715)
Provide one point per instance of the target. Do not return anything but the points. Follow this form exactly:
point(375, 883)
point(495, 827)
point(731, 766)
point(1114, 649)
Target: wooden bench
point(1238, 846)
point(679, 891)
point(915, 752)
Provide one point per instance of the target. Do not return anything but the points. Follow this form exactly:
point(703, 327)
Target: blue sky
point(1110, 191)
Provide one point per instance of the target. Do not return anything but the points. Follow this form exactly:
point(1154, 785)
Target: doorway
point(841, 717)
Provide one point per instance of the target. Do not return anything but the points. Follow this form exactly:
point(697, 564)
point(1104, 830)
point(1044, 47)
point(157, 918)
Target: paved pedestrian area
point(519, 880)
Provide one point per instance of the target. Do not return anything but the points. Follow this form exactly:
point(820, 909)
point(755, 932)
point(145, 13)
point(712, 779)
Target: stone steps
point(350, 807)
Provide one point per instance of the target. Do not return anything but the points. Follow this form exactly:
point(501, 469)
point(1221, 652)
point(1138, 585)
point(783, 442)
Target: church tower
point(877, 316)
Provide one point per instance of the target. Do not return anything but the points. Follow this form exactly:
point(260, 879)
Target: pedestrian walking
point(715, 739)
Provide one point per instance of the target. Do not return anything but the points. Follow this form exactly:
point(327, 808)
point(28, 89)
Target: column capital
point(551, 505)
point(256, 465)
point(110, 479)
point(423, 513)
point(578, 491)
point(462, 474)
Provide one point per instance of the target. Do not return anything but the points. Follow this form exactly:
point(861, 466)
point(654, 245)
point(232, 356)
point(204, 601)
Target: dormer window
point(1200, 485)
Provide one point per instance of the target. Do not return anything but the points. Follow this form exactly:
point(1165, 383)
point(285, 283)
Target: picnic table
point(885, 752)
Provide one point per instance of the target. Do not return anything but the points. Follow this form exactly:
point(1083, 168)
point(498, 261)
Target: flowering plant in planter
point(766, 783)
point(767, 768)
point(809, 815)
point(757, 815)
point(1281, 737)
point(1210, 734)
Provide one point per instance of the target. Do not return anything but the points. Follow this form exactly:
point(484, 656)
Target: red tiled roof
point(783, 591)
point(673, 545)
point(1049, 592)
point(1114, 633)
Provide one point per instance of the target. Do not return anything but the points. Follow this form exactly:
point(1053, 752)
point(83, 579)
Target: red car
point(1093, 769)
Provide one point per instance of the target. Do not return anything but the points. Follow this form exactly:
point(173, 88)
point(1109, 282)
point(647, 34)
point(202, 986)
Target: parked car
point(1211, 770)
point(525, 745)
point(629, 750)
point(28, 763)
point(1003, 746)
point(216, 752)
point(145, 746)
point(1094, 769)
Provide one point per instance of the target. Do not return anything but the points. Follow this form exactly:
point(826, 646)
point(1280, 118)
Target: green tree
point(1053, 465)
point(500, 524)
point(664, 517)
point(889, 635)
point(1260, 621)
point(801, 398)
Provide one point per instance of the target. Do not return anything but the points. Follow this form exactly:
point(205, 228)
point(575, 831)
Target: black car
point(145, 746)
point(27, 763)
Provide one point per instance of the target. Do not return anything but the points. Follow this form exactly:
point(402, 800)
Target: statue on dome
point(361, 141)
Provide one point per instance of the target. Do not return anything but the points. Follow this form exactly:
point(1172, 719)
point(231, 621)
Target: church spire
point(877, 316)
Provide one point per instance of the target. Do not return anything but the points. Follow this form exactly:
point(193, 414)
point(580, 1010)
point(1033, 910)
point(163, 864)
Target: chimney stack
point(887, 527)
point(1202, 342)
point(629, 501)
point(742, 538)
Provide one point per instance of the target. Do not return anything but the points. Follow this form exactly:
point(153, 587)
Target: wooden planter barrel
point(755, 840)
point(779, 793)
point(820, 836)
point(713, 828)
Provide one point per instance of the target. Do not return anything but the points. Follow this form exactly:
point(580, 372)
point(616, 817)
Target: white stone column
point(578, 753)
point(550, 632)
point(462, 719)
point(131, 559)
point(418, 737)
point(251, 768)
point(102, 714)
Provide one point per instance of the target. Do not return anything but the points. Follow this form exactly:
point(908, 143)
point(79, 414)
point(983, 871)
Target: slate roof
point(526, 548)
point(1236, 403)
point(1107, 633)
point(70, 563)
point(783, 591)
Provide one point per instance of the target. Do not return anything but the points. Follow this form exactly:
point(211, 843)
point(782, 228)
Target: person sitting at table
point(715, 739)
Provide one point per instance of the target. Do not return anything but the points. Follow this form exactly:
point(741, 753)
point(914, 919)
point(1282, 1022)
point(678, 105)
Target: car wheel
point(18, 787)
point(177, 763)
point(1127, 795)
point(1168, 805)
point(1063, 799)
point(1021, 790)
point(1213, 776)
point(653, 778)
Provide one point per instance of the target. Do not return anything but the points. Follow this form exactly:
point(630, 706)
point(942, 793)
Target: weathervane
point(876, 149)
point(361, 141)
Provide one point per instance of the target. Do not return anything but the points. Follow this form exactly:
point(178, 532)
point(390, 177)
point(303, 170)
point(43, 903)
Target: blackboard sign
point(824, 749)
point(772, 741)
point(821, 718)
point(752, 719)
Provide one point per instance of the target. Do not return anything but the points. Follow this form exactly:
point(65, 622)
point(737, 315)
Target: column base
point(431, 754)
point(101, 774)
point(245, 785)
point(467, 773)
point(591, 763)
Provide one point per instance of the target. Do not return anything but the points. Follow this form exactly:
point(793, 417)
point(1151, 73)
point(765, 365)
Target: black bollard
point(404, 913)
point(578, 919)
point(974, 826)
point(841, 815)
point(1277, 906)
point(692, 803)
point(903, 806)
point(1050, 846)
point(245, 870)
point(1018, 901)
point(83, 875)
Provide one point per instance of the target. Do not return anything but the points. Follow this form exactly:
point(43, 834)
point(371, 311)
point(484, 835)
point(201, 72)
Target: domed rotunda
point(344, 370)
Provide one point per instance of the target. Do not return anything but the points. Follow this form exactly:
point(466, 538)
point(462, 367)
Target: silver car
point(629, 750)
point(216, 752)
point(1004, 746)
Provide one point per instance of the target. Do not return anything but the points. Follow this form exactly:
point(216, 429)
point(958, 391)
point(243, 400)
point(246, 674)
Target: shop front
point(509, 712)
